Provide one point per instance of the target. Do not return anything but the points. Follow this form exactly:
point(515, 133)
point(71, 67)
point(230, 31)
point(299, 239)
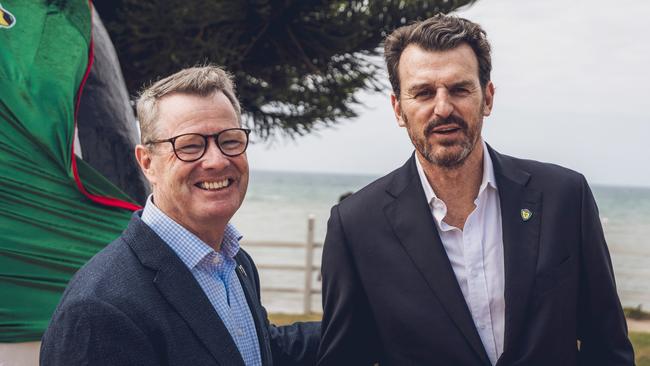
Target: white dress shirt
point(476, 256)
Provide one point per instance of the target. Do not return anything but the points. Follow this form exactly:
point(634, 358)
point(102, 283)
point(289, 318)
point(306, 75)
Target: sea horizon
point(278, 204)
point(379, 175)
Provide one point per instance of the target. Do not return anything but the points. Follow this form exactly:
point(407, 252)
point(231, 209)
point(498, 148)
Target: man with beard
point(465, 256)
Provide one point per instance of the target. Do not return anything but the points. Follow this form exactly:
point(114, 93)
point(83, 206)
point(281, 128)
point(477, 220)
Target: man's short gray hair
point(201, 80)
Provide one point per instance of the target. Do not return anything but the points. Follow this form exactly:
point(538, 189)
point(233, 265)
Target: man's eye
point(460, 91)
point(191, 147)
point(422, 94)
point(231, 143)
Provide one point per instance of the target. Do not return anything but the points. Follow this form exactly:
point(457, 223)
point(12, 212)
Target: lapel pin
point(241, 270)
point(526, 214)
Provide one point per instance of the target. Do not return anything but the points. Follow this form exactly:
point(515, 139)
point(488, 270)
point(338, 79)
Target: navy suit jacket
point(136, 303)
point(390, 294)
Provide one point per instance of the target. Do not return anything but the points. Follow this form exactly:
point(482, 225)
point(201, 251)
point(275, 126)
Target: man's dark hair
point(439, 33)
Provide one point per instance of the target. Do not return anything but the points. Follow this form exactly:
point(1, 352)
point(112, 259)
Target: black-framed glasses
point(191, 147)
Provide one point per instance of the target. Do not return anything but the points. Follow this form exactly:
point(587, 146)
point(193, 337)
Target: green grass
point(283, 319)
point(640, 341)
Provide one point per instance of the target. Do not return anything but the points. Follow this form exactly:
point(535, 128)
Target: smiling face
point(202, 195)
point(442, 104)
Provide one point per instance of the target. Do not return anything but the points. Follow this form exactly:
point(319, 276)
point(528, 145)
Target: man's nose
point(443, 106)
point(213, 157)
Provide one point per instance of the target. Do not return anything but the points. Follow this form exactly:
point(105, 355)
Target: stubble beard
point(444, 155)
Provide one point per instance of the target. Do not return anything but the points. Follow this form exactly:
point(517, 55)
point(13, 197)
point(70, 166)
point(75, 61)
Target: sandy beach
point(642, 326)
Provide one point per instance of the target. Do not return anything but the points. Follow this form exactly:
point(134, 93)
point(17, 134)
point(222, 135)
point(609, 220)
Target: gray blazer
point(135, 303)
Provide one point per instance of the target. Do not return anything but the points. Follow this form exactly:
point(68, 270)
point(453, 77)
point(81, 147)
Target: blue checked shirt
point(215, 273)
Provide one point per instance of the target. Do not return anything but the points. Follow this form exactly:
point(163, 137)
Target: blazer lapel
point(243, 274)
point(520, 241)
point(177, 284)
point(412, 222)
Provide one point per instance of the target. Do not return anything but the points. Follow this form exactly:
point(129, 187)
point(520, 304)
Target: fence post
point(309, 264)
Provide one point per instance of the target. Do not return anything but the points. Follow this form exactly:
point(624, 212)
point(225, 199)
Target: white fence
point(308, 268)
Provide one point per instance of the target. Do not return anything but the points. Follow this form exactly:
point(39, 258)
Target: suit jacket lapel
point(177, 284)
point(520, 241)
point(412, 222)
point(244, 271)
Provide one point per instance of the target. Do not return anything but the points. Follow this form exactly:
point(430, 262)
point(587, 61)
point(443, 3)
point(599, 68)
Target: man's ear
point(144, 157)
point(397, 109)
point(489, 99)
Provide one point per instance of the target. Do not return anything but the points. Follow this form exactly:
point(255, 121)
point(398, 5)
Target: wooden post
point(309, 264)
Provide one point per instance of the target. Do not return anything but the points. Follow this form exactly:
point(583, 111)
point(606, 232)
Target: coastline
point(636, 325)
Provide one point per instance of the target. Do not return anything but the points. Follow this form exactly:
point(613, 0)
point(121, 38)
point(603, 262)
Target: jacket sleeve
point(295, 344)
point(94, 333)
point(349, 335)
point(602, 329)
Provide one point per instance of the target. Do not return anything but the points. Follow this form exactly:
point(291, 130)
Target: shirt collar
point(488, 170)
point(488, 176)
point(189, 248)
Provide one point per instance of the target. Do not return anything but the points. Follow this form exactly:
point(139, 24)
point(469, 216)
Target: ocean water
point(278, 204)
point(625, 214)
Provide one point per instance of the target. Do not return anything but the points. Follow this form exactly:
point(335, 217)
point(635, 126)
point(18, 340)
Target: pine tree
point(298, 64)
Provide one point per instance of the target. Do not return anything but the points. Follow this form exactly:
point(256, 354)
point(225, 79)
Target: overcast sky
point(572, 81)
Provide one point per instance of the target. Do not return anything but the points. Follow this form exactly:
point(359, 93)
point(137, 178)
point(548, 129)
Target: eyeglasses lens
point(189, 147)
point(232, 142)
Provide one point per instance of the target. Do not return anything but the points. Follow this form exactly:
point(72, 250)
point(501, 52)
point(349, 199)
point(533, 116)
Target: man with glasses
point(175, 288)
